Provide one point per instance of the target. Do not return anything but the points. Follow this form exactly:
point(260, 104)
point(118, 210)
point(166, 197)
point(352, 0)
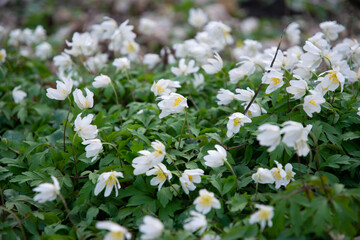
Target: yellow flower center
point(276, 174)
point(312, 101)
point(178, 101)
point(160, 175)
point(1, 56)
point(190, 178)
point(289, 175)
point(159, 88)
point(111, 180)
point(158, 153)
point(333, 78)
point(237, 121)
point(275, 80)
point(264, 214)
point(130, 47)
point(206, 200)
point(117, 235)
point(63, 91)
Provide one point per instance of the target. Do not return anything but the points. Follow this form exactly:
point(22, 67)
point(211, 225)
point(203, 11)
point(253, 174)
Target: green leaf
point(141, 136)
point(164, 196)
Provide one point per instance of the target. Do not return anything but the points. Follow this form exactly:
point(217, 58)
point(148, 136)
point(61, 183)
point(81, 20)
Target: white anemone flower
point(108, 180)
point(81, 101)
point(270, 136)
point(293, 132)
point(312, 103)
point(197, 17)
point(189, 177)
point(2, 55)
point(18, 95)
point(47, 191)
point(172, 103)
point(279, 175)
point(83, 127)
point(244, 95)
point(297, 88)
point(236, 120)
point(215, 158)
point(263, 215)
point(93, 148)
point(196, 223)
point(293, 33)
point(161, 173)
point(147, 26)
point(263, 176)
point(101, 81)
point(289, 173)
point(331, 29)
point(225, 97)
point(164, 87)
point(185, 69)
point(333, 79)
point(143, 163)
point(62, 91)
point(151, 60)
point(275, 80)
point(121, 64)
point(83, 44)
point(116, 232)
point(206, 201)
point(215, 64)
point(152, 228)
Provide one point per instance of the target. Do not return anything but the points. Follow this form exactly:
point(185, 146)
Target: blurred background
point(256, 19)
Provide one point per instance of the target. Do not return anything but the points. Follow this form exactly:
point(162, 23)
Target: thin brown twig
point(271, 65)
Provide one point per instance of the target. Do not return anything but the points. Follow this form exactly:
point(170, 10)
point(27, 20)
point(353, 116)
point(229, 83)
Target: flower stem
point(17, 219)
point(70, 218)
point(187, 121)
point(293, 110)
point(117, 150)
point(116, 96)
point(6, 83)
point(174, 163)
point(182, 130)
point(74, 157)
point(233, 172)
point(66, 121)
point(256, 191)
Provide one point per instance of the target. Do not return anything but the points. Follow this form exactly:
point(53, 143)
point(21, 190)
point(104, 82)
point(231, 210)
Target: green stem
point(182, 130)
point(225, 83)
point(17, 219)
point(74, 157)
point(318, 162)
point(70, 218)
point(117, 150)
point(187, 121)
point(256, 191)
point(293, 110)
point(116, 96)
point(6, 83)
point(66, 121)
point(232, 170)
point(174, 164)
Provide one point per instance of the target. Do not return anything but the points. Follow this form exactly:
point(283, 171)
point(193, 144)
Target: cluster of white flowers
point(31, 43)
point(200, 52)
point(277, 175)
point(295, 136)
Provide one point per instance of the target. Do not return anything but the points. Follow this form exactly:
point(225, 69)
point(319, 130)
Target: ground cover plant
point(212, 137)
